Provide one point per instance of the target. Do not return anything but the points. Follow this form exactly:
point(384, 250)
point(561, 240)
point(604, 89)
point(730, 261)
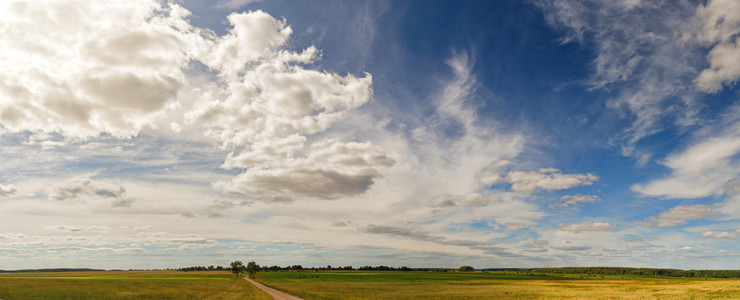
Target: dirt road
point(277, 295)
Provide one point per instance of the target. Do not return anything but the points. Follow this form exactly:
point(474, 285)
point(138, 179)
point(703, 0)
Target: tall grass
point(127, 285)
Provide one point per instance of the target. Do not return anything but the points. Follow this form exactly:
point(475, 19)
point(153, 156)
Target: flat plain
point(357, 285)
point(127, 285)
point(492, 285)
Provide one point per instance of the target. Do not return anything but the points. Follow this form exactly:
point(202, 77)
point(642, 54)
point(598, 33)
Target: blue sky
point(147, 134)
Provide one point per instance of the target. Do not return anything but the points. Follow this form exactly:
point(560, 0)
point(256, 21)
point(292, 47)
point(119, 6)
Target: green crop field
point(488, 285)
point(127, 285)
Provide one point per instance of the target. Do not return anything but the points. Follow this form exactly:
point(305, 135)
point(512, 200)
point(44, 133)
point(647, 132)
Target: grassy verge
point(127, 285)
point(487, 285)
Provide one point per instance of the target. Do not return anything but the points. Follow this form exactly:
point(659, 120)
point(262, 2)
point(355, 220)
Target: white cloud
point(331, 170)
point(175, 127)
point(469, 200)
point(572, 248)
point(569, 200)
point(490, 179)
point(12, 236)
point(254, 35)
point(443, 170)
point(598, 226)
point(405, 232)
point(680, 214)
point(498, 164)
point(88, 228)
point(528, 181)
point(7, 190)
point(86, 67)
point(85, 188)
point(279, 120)
point(272, 109)
point(516, 226)
point(717, 24)
point(281, 101)
point(731, 188)
point(719, 235)
point(339, 224)
point(639, 57)
point(218, 208)
point(234, 4)
point(690, 249)
point(546, 179)
point(643, 224)
point(699, 171)
point(424, 236)
point(177, 242)
point(453, 100)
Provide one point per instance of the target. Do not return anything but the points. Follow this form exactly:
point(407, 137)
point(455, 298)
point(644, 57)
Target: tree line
point(341, 268)
point(53, 270)
point(202, 268)
point(237, 265)
point(619, 271)
point(252, 268)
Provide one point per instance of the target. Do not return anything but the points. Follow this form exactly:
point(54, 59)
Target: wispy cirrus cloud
point(707, 166)
point(421, 235)
point(639, 56)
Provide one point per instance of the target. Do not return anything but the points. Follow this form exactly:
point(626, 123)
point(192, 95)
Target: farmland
point(127, 285)
point(477, 285)
point(356, 285)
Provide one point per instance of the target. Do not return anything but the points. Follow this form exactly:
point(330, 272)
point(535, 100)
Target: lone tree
point(237, 267)
point(466, 269)
point(252, 269)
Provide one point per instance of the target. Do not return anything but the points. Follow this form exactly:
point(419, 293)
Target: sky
point(139, 134)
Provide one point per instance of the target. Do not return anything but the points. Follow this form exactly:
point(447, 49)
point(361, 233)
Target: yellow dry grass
point(523, 288)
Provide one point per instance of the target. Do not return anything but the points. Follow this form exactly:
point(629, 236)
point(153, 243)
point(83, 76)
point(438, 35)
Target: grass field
point(355, 285)
point(488, 285)
point(127, 285)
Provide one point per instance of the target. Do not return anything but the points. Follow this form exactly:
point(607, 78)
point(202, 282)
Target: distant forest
point(327, 268)
point(51, 270)
point(650, 272)
point(618, 271)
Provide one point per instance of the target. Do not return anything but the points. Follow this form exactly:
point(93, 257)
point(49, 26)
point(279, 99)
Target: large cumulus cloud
point(86, 67)
point(80, 69)
point(273, 107)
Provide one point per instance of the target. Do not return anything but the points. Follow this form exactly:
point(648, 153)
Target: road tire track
point(277, 295)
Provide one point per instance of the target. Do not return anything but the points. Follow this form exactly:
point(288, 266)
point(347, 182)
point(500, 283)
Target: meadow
point(488, 285)
point(127, 285)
